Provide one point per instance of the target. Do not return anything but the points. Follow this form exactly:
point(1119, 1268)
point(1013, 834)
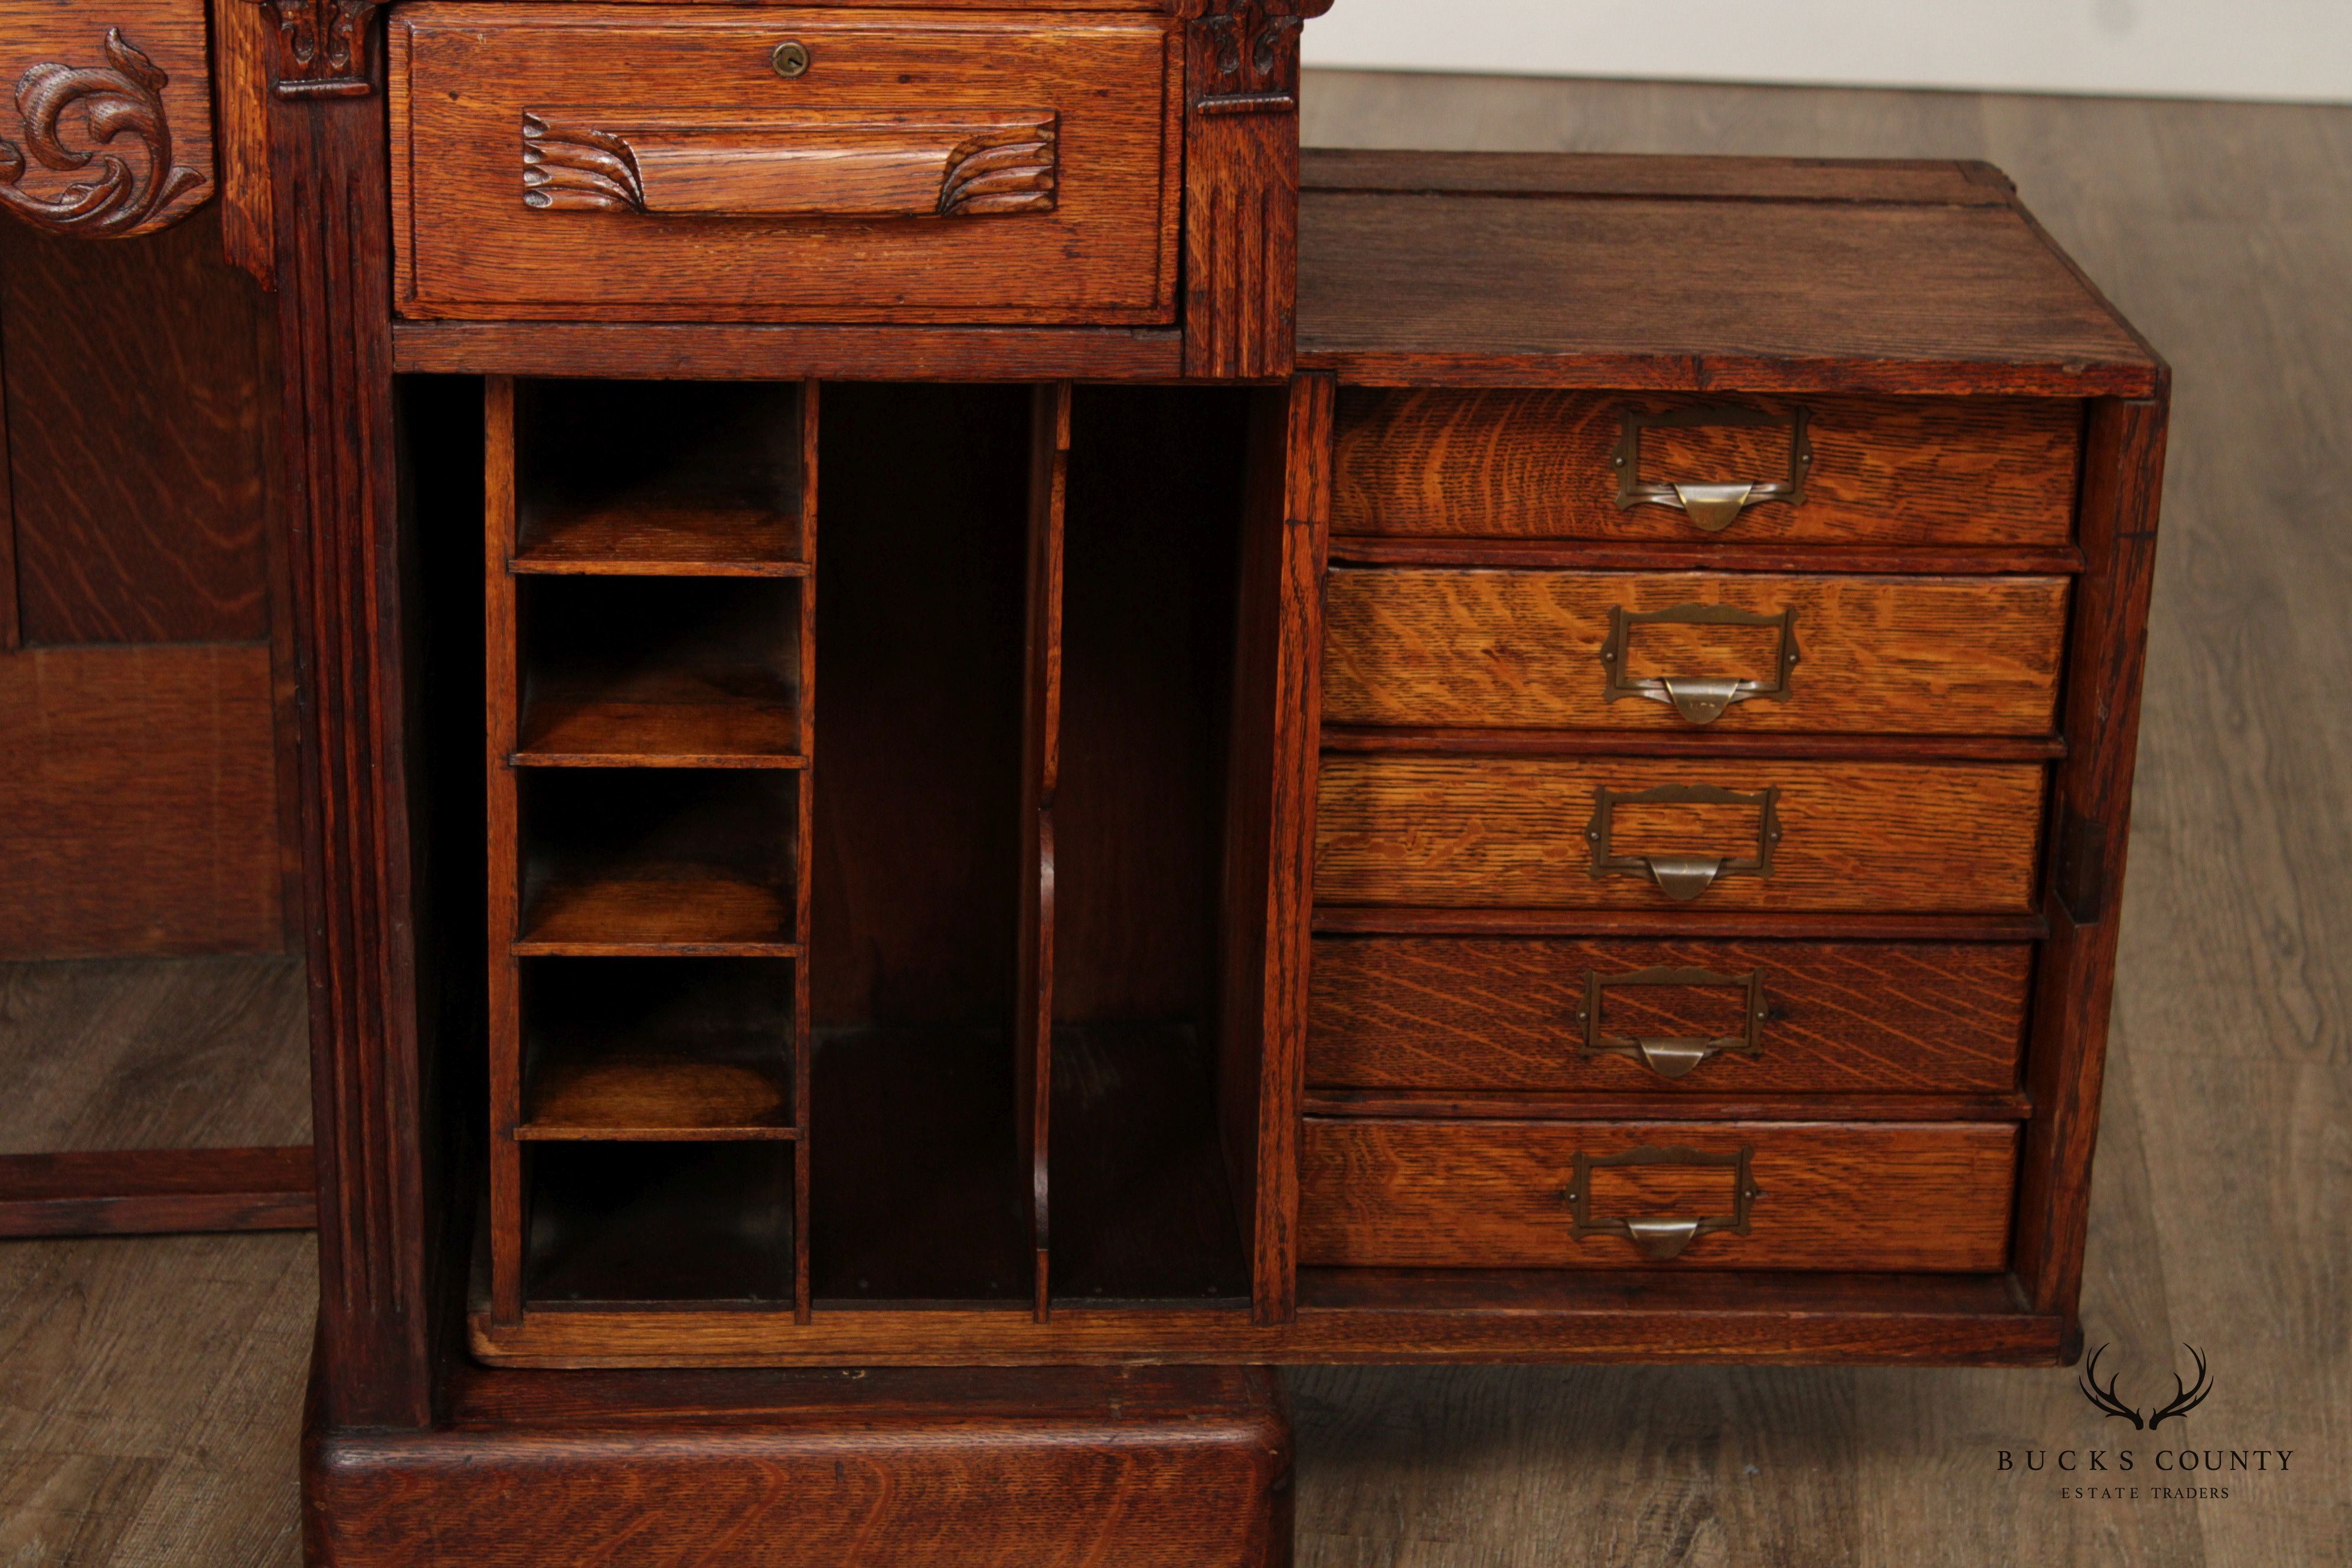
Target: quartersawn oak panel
point(1515, 649)
point(462, 80)
point(1537, 464)
point(1952, 838)
point(1928, 1197)
point(1501, 1013)
point(137, 802)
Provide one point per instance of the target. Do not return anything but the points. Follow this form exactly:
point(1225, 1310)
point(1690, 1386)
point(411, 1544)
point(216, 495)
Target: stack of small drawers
point(1680, 827)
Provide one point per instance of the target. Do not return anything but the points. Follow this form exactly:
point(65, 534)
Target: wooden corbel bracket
point(323, 46)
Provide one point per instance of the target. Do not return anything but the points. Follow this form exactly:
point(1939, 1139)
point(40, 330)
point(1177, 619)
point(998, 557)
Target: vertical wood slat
point(1041, 750)
point(333, 259)
point(11, 637)
point(804, 1046)
point(2090, 817)
point(501, 700)
point(1270, 826)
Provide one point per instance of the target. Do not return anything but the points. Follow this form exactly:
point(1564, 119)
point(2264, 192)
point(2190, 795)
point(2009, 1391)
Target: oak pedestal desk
point(964, 721)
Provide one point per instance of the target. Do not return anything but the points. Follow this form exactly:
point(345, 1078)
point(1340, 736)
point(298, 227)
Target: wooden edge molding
point(157, 1192)
point(95, 154)
point(323, 46)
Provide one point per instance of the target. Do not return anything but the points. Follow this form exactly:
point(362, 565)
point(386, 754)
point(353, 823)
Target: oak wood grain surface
point(1507, 831)
point(1539, 464)
point(136, 397)
point(1486, 1194)
point(137, 802)
point(1503, 649)
point(461, 86)
point(1541, 284)
point(1438, 1013)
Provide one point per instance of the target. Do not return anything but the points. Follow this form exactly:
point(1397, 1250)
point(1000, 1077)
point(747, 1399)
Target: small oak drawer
point(1921, 1196)
point(1457, 647)
point(1631, 466)
point(1610, 832)
point(1522, 1014)
point(690, 162)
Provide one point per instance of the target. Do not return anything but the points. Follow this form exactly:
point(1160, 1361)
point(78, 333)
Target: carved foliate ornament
point(124, 178)
point(323, 46)
point(1246, 54)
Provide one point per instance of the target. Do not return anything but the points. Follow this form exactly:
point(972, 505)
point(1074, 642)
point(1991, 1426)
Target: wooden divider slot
point(1041, 750)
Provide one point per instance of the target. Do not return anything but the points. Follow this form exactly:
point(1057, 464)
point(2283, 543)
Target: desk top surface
point(1693, 274)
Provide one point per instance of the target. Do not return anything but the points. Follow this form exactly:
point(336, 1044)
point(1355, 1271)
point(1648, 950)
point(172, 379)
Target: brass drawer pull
point(1714, 506)
point(1663, 1240)
point(1683, 878)
point(1675, 1057)
point(1699, 698)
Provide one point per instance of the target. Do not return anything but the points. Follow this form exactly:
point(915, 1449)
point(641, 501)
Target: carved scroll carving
point(323, 46)
point(880, 164)
point(121, 105)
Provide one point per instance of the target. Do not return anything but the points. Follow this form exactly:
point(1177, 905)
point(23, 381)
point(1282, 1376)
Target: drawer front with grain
point(1926, 1196)
point(1517, 1014)
point(1652, 833)
point(1990, 471)
point(688, 162)
point(1460, 646)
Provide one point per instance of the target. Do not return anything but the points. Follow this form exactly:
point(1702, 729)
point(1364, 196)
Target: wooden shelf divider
point(502, 697)
point(714, 683)
point(1041, 726)
point(803, 1043)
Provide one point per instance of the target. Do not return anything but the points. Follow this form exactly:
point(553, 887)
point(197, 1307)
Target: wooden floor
point(148, 1388)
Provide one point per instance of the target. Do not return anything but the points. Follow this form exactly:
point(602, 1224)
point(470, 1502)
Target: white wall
point(2288, 49)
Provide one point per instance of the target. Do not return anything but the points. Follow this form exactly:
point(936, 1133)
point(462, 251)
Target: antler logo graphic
point(2186, 1397)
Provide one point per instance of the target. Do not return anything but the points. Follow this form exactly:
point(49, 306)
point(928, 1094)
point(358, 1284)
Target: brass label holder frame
point(1699, 698)
point(1663, 1240)
point(1672, 1058)
point(1683, 878)
point(1713, 506)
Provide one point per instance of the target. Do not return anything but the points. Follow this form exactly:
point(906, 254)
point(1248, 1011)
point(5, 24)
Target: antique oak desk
point(960, 721)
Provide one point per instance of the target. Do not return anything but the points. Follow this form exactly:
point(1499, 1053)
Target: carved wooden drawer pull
point(795, 164)
point(1662, 1239)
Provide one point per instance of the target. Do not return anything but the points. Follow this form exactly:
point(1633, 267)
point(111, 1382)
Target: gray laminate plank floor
point(148, 1389)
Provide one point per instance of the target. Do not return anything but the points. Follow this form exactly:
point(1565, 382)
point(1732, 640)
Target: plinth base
point(901, 1467)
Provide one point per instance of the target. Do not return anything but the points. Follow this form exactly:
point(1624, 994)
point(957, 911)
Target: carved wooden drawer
point(1619, 466)
point(1929, 1196)
point(1557, 1015)
point(1454, 646)
point(1610, 833)
point(680, 162)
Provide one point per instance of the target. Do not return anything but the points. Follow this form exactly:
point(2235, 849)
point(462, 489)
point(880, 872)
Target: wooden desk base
point(1144, 1466)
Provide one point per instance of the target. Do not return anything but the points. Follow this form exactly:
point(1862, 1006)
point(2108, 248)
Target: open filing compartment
point(861, 790)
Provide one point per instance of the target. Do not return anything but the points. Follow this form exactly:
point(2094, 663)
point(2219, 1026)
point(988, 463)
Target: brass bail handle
point(1671, 1056)
point(1662, 1239)
point(1682, 877)
point(1712, 505)
point(1699, 698)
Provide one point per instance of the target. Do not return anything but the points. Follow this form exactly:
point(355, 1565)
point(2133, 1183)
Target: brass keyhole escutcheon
point(790, 58)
